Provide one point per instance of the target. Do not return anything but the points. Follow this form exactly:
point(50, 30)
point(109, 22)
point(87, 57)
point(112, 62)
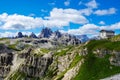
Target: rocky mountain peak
point(57, 34)
point(82, 38)
point(32, 35)
point(45, 33)
point(20, 35)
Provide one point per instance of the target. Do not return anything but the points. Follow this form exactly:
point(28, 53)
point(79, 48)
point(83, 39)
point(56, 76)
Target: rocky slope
point(20, 59)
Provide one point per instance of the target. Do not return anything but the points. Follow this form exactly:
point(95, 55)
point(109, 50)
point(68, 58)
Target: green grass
point(103, 44)
point(116, 38)
point(64, 51)
point(95, 68)
point(18, 76)
point(21, 76)
point(61, 75)
point(75, 60)
point(13, 47)
point(3, 39)
point(44, 50)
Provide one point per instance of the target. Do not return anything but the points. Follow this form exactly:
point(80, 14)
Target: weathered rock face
point(20, 35)
point(67, 39)
point(45, 33)
point(115, 55)
point(32, 35)
point(57, 34)
point(72, 72)
point(5, 63)
point(82, 38)
point(4, 49)
point(115, 58)
point(36, 66)
point(65, 62)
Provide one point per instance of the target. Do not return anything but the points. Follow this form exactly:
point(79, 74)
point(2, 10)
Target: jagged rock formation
point(82, 38)
point(20, 35)
point(72, 72)
point(5, 49)
point(56, 35)
point(32, 35)
point(36, 66)
point(5, 64)
point(67, 61)
point(45, 33)
point(68, 39)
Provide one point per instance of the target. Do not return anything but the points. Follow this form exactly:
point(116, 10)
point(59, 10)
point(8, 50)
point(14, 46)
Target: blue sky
point(69, 16)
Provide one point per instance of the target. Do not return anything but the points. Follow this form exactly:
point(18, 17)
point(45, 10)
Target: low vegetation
point(95, 68)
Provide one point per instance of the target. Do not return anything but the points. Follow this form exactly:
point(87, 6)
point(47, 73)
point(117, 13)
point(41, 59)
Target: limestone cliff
point(93, 60)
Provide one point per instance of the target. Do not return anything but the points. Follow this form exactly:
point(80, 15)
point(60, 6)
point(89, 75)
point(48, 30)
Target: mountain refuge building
point(106, 34)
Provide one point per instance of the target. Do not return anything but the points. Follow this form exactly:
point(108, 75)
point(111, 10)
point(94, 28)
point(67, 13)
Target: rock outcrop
point(20, 35)
point(32, 35)
point(45, 33)
point(36, 66)
point(56, 34)
point(82, 38)
point(5, 64)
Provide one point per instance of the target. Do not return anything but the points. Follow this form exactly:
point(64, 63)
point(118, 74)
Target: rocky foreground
point(62, 59)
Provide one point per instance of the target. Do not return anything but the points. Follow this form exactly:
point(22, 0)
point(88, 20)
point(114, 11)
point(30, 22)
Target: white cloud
point(7, 34)
point(58, 18)
point(92, 4)
point(92, 29)
point(89, 29)
point(102, 23)
point(115, 26)
point(105, 11)
point(87, 11)
point(63, 17)
point(67, 3)
point(16, 22)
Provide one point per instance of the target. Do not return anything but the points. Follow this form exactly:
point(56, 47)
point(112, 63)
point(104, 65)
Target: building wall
point(103, 35)
point(106, 35)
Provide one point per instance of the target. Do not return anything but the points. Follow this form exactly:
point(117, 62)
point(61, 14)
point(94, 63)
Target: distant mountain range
point(48, 33)
point(82, 38)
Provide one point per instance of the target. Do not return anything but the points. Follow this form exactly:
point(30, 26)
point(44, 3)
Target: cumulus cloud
point(115, 26)
point(58, 18)
point(105, 11)
point(92, 4)
point(67, 3)
point(90, 29)
point(86, 12)
point(63, 17)
point(7, 34)
point(17, 22)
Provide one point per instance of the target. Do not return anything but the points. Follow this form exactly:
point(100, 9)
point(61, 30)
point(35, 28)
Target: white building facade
point(106, 34)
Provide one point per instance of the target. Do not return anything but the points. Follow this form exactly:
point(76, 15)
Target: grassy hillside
point(95, 68)
point(116, 38)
